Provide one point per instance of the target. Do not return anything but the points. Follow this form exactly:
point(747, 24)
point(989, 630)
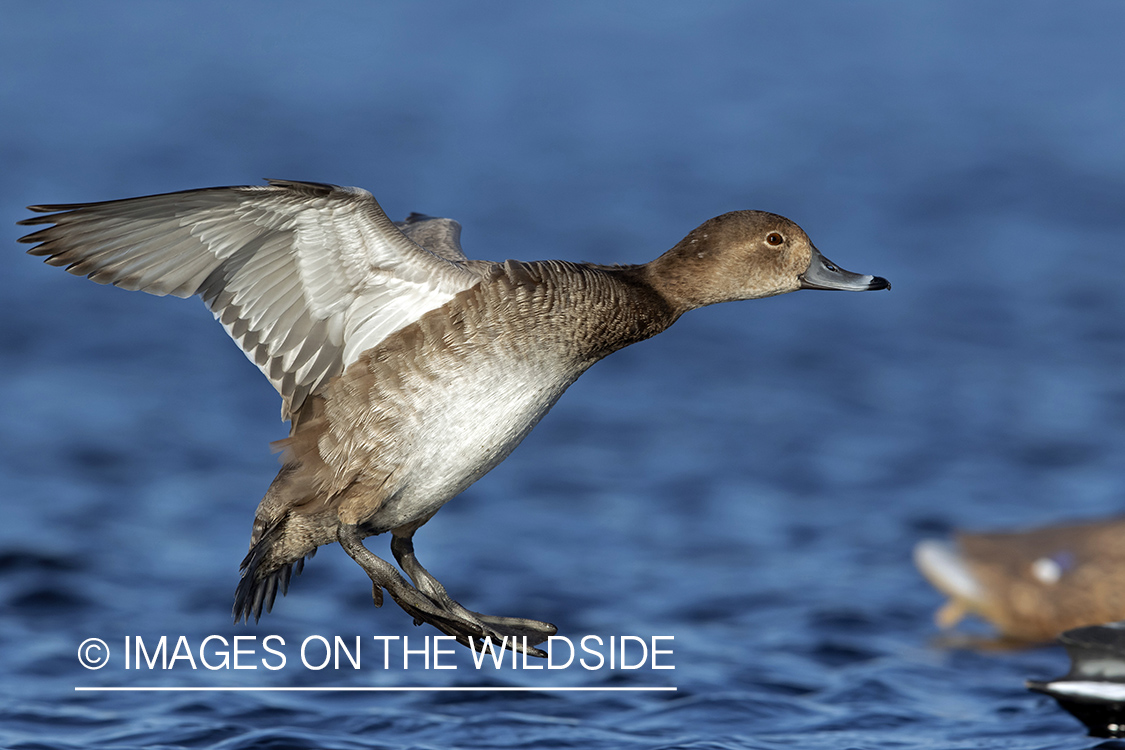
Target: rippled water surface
point(750, 483)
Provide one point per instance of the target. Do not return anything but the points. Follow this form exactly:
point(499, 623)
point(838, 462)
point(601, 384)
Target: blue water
point(750, 483)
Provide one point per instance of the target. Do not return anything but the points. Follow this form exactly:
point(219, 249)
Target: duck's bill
point(824, 274)
point(948, 570)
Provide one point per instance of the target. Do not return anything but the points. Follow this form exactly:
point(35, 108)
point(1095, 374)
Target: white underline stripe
point(373, 689)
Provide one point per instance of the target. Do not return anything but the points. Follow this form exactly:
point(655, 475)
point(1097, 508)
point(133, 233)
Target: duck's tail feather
point(264, 575)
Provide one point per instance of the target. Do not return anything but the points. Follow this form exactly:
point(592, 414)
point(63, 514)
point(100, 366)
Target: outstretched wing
point(305, 277)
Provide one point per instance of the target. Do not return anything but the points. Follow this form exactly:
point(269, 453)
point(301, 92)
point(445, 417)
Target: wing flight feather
point(304, 276)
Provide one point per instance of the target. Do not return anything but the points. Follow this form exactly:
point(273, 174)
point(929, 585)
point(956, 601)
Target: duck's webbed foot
point(427, 600)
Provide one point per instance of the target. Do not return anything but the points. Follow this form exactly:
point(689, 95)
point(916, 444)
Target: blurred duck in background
point(1031, 585)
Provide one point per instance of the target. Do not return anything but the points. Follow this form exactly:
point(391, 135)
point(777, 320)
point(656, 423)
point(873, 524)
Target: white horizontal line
point(1094, 689)
point(417, 689)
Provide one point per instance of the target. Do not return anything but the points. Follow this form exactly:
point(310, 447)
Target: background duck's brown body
point(1032, 584)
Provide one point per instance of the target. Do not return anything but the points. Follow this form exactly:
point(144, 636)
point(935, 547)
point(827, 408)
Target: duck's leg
point(515, 627)
point(433, 605)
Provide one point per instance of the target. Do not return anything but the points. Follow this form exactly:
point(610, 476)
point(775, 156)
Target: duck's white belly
point(457, 427)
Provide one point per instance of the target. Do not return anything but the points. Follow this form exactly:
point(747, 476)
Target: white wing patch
point(383, 309)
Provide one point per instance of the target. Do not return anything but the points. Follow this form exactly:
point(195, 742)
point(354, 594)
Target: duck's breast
point(443, 401)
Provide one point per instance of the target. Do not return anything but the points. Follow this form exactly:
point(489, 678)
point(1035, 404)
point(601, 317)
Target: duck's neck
point(594, 309)
point(676, 277)
point(644, 307)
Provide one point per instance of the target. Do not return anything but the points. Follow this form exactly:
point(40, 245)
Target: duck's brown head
point(747, 255)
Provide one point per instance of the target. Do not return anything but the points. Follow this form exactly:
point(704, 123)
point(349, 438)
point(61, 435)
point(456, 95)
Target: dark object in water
point(1094, 688)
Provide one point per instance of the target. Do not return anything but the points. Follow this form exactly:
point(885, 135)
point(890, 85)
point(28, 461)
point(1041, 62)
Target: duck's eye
point(774, 238)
